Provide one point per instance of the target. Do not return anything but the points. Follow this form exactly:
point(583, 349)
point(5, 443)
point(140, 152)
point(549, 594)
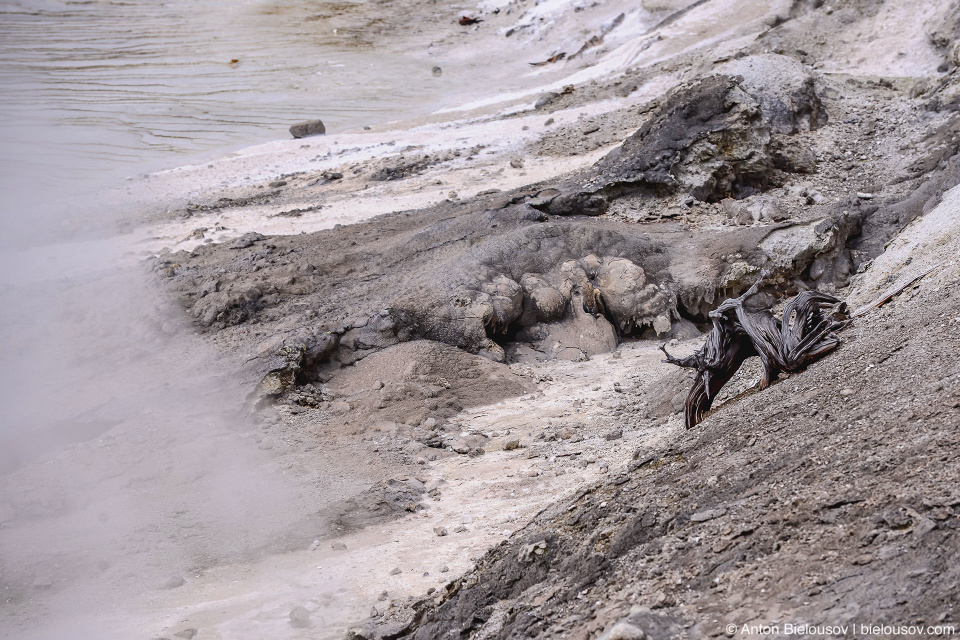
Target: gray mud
point(828, 498)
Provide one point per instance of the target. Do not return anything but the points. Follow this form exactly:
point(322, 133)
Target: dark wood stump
point(804, 334)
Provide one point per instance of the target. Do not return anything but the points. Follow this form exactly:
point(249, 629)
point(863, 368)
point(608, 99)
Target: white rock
point(624, 631)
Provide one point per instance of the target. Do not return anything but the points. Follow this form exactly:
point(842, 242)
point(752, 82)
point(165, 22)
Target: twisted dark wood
point(805, 334)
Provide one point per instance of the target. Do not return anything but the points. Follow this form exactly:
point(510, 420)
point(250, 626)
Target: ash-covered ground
point(446, 332)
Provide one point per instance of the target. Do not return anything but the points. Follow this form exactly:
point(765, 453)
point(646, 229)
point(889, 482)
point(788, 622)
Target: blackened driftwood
point(802, 336)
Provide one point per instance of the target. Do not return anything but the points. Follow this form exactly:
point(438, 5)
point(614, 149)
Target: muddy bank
point(826, 499)
point(763, 164)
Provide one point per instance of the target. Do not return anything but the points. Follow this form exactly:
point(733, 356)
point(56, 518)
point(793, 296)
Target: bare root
point(804, 334)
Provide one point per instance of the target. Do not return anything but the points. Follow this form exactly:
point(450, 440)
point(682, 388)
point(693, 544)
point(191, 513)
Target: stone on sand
point(308, 128)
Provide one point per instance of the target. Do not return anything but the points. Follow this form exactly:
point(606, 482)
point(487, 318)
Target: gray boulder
point(308, 128)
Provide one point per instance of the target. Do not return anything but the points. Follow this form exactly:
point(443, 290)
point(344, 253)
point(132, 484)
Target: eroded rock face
point(486, 274)
point(630, 300)
point(567, 288)
point(703, 138)
point(784, 89)
point(576, 337)
point(819, 246)
point(542, 302)
point(713, 138)
point(791, 247)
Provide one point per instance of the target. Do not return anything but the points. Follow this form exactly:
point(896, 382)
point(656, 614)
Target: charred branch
point(805, 333)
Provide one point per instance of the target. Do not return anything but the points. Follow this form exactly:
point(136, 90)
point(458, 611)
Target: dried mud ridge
point(514, 275)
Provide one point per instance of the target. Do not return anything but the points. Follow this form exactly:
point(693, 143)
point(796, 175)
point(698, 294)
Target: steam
point(125, 456)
